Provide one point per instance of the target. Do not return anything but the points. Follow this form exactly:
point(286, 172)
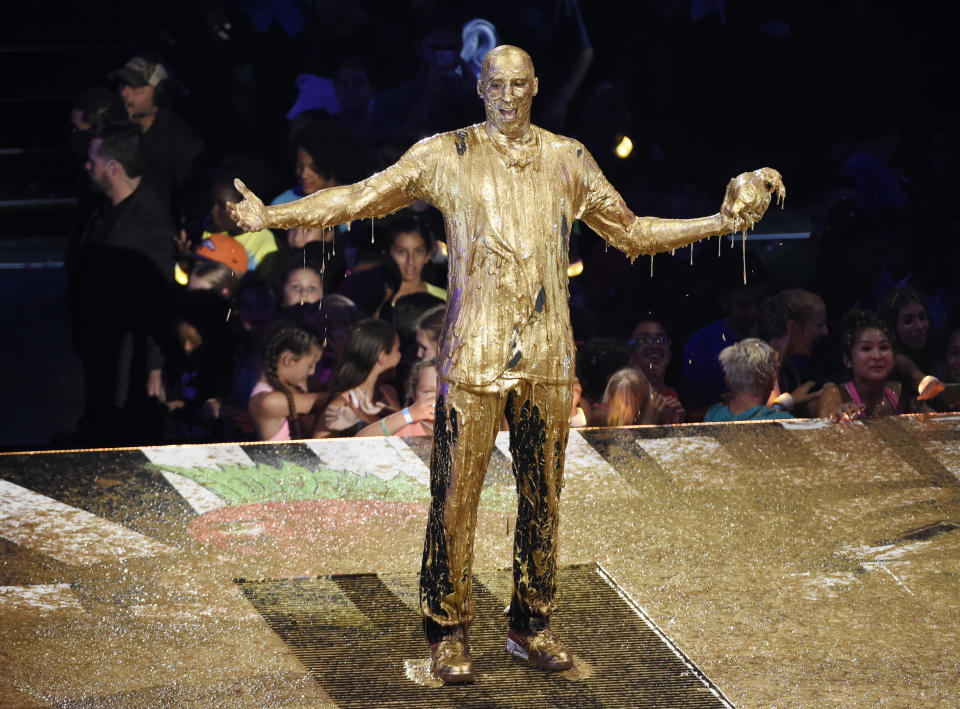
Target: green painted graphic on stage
point(245, 484)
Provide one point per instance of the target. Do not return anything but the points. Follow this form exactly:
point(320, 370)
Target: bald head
point(504, 51)
point(507, 86)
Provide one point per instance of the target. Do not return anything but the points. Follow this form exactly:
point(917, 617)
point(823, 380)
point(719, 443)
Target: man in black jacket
point(121, 285)
point(170, 146)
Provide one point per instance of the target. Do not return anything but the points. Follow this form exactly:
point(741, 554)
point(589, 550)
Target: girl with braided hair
point(289, 358)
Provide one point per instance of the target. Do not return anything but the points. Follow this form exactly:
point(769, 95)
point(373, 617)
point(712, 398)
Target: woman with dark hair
point(866, 344)
point(371, 284)
point(356, 397)
point(410, 245)
point(325, 155)
point(907, 316)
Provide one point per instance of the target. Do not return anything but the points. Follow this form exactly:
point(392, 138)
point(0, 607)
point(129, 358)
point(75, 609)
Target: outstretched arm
point(379, 195)
point(746, 200)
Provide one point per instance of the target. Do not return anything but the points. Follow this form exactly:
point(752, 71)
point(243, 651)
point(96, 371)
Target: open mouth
point(508, 114)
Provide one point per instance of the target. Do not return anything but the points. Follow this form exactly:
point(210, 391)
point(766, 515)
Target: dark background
point(791, 85)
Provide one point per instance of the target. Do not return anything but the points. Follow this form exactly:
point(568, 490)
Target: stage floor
point(797, 564)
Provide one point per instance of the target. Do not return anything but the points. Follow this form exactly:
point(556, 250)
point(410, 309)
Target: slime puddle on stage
point(795, 564)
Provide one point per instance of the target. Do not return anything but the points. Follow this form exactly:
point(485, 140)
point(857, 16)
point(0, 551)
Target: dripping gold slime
point(509, 192)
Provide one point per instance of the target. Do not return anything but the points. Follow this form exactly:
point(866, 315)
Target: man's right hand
point(250, 214)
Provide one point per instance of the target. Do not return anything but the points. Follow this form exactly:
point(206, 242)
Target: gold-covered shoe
point(450, 658)
point(541, 648)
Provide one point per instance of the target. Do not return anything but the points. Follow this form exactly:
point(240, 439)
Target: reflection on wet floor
point(363, 643)
point(803, 565)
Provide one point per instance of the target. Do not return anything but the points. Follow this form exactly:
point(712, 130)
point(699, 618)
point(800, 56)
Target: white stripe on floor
point(947, 453)
point(585, 464)
point(804, 424)
point(582, 461)
point(196, 495)
point(382, 457)
point(68, 534)
point(700, 459)
point(197, 456)
point(503, 444)
point(40, 597)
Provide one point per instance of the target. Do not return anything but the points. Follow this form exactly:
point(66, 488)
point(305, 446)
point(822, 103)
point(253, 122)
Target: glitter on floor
point(798, 564)
point(355, 634)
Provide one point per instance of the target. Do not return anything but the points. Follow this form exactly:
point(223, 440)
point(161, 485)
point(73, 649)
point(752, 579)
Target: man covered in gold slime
point(509, 192)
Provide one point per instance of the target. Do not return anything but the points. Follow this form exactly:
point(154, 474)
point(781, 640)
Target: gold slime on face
point(507, 86)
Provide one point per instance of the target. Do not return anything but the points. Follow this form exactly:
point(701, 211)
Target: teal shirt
point(721, 412)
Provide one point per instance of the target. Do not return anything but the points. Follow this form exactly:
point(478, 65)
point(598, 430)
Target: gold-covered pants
point(466, 425)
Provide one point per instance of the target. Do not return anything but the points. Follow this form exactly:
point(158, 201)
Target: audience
point(952, 357)
point(372, 283)
point(261, 246)
point(739, 294)
point(170, 146)
point(866, 342)
point(221, 249)
point(428, 331)
point(201, 376)
point(629, 399)
point(357, 397)
point(302, 284)
point(650, 354)
point(409, 244)
point(441, 96)
point(792, 322)
point(215, 276)
point(750, 371)
point(578, 417)
point(324, 156)
point(280, 396)
point(416, 418)
point(907, 316)
point(267, 340)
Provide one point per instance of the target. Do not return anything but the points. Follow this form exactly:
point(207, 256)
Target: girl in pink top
point(867, 346)
point(289, 358)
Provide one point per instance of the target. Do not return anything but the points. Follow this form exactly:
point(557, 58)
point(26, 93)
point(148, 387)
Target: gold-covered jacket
point(508, 222)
